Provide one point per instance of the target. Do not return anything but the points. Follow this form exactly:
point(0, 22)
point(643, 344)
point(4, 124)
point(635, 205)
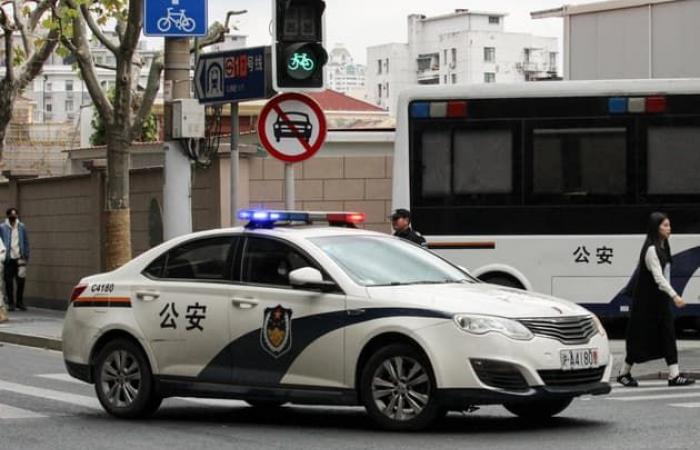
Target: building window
point(386, 89)
point(69, 105)
point(49, 107)
point(444, 55)
point(386, 67)
point(69, 85)
point(489, 77)
point(494, 20)
point(379, 67)
point(454, 57)
point(445, 79)
point(48, 86)
point(527, 52)
point(489, 54)
point(379, 90)
point(552, 60)
point(454, 78)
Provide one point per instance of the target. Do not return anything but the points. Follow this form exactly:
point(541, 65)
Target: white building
point(343, 75)
point(626, 39)
point(457, 48)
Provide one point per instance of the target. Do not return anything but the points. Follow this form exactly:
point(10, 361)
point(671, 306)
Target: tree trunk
point(7, 97)
point(117, 215)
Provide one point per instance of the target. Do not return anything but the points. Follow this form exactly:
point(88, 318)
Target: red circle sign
point(292, 127)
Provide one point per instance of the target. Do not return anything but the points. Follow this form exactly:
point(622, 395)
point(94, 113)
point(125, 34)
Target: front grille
point(569, 330)
point(499, 374)
point(571, 377)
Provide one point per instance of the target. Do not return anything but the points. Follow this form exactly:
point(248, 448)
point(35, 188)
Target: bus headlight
point(480, 325)
point(599, 326)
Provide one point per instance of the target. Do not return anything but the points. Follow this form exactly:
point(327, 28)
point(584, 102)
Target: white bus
point(548, 186)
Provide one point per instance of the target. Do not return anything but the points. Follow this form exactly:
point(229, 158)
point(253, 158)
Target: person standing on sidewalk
point(651, 333)
point(14, 237)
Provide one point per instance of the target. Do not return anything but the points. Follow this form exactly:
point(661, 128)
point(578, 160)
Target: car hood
point(477, 298)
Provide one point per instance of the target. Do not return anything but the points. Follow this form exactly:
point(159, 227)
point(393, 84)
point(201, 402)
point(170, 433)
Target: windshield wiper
point(412, 283)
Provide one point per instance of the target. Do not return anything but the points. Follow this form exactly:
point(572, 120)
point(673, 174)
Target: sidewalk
point(42, 328)
point(33, 328)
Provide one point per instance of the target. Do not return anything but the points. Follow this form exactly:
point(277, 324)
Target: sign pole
point(235, 162)
point(289, 194)
point(177, 171)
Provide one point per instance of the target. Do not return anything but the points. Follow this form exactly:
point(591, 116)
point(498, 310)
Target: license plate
point(586, 358)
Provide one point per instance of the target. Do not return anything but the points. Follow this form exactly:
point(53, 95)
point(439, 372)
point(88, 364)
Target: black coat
point(650, 332)
point(410, 235)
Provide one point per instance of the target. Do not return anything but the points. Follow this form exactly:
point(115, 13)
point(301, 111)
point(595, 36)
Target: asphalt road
point(42, 408)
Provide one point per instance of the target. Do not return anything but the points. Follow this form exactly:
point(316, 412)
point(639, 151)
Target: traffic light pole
point(177, 172)
point(289, 194)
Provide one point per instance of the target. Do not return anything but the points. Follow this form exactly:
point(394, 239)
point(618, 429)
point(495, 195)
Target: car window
point(269, 262)
point(203, 259)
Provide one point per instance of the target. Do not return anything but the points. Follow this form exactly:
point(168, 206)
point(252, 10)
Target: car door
point(282, 335)
point(182, 306)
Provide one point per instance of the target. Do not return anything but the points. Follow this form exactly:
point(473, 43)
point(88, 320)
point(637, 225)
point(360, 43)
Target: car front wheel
point(539, 410)
point(397, 387)
point(124, 382)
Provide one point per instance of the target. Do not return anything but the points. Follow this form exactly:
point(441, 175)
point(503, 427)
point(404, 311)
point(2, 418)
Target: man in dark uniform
point(401, 223)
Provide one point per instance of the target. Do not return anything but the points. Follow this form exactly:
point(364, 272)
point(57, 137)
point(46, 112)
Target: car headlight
point(599, 325)
point(487, 324)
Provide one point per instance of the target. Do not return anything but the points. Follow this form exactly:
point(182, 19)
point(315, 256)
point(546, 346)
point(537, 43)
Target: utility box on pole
point(188, 119)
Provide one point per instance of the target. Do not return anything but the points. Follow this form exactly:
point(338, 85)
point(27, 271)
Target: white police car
point(275, 314)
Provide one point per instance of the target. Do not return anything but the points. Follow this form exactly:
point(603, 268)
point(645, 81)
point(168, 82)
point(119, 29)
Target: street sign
point(175, 18)
point(234, 76)
point(292, 127)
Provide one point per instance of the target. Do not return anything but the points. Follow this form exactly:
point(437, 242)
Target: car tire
point(124, 381)
point(398, 389)
point(538, 410)
point(265, 404)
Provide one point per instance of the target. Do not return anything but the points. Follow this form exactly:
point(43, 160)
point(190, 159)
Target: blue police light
point(617, 105)
point(420, 110)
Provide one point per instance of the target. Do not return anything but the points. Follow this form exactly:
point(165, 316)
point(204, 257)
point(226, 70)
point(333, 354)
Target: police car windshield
point(386, 261)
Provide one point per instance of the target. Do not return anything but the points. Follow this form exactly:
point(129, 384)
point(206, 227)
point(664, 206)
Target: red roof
point(335, 101)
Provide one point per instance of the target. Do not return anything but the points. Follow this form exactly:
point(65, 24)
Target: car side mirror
point(310, 278)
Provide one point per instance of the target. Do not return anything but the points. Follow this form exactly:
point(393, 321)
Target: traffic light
point(298, 56)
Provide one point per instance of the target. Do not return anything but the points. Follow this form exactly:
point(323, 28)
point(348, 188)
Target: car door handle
point(356, 312)
point(244, 302)
point(147, 296)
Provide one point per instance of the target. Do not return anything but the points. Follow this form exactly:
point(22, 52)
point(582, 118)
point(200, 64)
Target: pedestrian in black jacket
point(651, 333)
point(401, 223)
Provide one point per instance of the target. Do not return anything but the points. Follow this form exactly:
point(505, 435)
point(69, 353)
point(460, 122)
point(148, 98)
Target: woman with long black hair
point(651, 332)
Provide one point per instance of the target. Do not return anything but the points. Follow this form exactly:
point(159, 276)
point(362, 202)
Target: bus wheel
point(502, 280)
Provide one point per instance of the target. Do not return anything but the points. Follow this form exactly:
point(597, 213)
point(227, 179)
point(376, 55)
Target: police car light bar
point(268, 218)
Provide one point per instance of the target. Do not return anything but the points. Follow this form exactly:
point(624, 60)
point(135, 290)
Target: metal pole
point(235, 162)
point(177, 175)
point(289, 195)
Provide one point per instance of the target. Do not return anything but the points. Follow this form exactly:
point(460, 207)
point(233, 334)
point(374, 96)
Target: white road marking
point(642, 385)
point(685, 405)
point(62, 377)
point(50, 394)
point(10, 412)
point(652, 397)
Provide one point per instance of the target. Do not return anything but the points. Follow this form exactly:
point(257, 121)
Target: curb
point(31, 341)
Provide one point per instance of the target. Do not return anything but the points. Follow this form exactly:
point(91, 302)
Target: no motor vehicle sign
point(292, 127)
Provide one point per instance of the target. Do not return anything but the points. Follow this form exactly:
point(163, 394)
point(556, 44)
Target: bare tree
point(80, 21)
point(24, 21)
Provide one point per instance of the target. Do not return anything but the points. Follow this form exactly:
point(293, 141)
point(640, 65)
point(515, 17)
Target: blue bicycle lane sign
point(173, 18)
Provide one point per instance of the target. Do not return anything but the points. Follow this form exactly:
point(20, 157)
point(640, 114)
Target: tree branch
point(104, 66)
point(5, 25)
point(20, 26)
point(97, 31)
point(81, 46)
point(133, 30)
point(39, 11)
point(215, 34)
point(149, 96)
point(32, 67)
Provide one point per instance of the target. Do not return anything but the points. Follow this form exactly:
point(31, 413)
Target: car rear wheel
point(124, 382)
point(539, 410)
point(397, 388)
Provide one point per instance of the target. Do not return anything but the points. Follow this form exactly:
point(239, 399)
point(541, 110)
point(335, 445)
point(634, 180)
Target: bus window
point(673, 158)
point(483, 162)
point(437, 164)
point(580, 162)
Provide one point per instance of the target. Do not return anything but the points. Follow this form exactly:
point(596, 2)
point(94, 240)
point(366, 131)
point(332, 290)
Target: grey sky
point(362, 23)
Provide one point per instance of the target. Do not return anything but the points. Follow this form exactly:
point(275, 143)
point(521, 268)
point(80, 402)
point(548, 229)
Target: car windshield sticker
point(276, 332)
point(168, 315)
point(195, 315)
